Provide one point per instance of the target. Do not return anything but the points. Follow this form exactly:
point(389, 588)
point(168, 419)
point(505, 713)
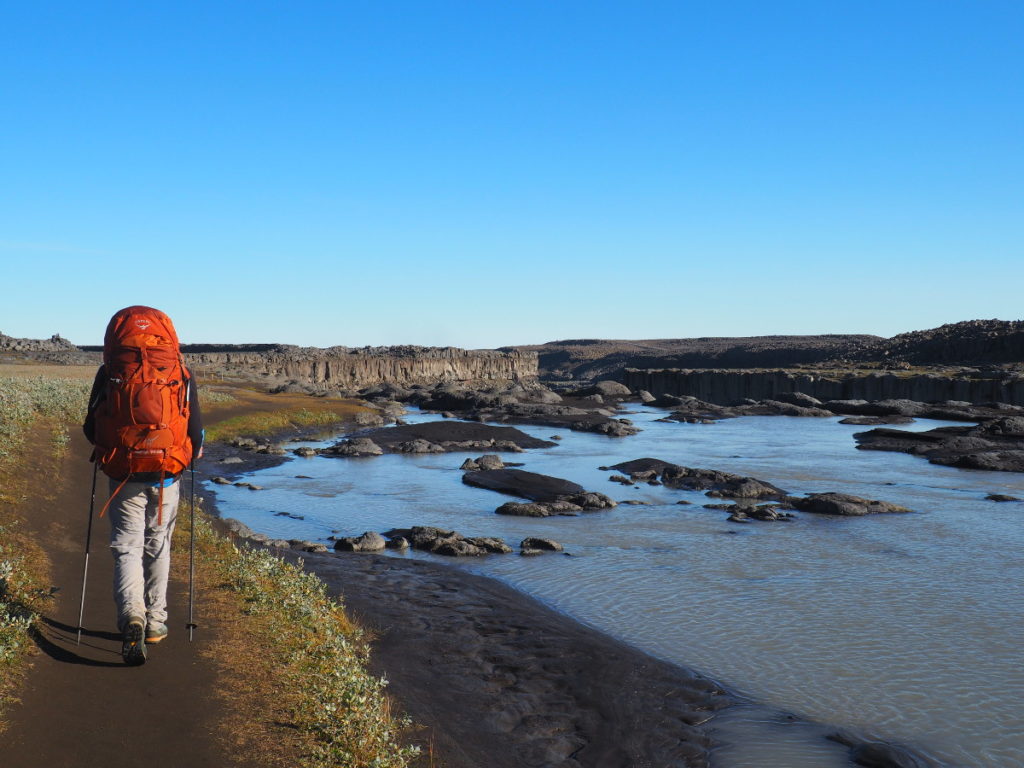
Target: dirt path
point(81, 705)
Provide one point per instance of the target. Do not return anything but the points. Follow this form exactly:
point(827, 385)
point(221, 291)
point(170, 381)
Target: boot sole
point(133, 647)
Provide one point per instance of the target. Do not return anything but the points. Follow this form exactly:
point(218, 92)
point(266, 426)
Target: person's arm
point(95, 397)
point(195, 420)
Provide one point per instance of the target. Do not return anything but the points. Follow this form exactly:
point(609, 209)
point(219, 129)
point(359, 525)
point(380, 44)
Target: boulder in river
point(449, 543)
point(874, 421)
point(1001, 497)
point(357, 446)
point(995, 445)
point(487, 461)
point(539, 509)
point(535, 545)
point(723, 485)
point(526, 485)
point(446, 436)
point(368, 542)
point(843, 504)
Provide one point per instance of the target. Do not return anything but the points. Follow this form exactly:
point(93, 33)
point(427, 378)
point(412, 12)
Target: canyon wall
point(725, 387)
point(350, 369)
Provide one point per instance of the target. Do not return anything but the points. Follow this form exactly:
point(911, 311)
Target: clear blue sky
point(486, 173)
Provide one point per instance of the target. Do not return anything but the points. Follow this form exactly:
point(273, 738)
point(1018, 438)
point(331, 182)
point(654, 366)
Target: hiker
point(145, 425)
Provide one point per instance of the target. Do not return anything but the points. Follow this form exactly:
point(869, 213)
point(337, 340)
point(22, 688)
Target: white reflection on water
point(907, 627)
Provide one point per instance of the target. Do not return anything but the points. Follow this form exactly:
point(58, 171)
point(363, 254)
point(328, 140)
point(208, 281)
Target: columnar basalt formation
point(725, 387)
point(349, 369)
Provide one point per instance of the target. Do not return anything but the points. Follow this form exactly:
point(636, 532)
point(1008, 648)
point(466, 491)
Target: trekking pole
point(191, 626)
point(88, 541)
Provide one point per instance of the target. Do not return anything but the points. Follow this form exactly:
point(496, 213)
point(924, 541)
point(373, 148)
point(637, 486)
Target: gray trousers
point(142, 549)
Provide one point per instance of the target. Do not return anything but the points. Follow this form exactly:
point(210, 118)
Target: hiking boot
point(155, 632)
point(133, 646)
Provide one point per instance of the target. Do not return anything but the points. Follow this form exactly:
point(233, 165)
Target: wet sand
point(500, 680)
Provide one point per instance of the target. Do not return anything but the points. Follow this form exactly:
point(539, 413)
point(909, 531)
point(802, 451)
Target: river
point(906, 627)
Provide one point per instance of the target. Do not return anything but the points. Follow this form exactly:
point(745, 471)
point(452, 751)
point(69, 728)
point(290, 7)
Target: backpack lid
point(136, 326)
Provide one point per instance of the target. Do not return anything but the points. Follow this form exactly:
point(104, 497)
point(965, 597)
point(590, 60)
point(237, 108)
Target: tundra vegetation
point(41, 407)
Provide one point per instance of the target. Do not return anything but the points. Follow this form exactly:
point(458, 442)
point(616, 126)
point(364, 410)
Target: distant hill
point(971, 342)
point(605, 358)
point(967, 343)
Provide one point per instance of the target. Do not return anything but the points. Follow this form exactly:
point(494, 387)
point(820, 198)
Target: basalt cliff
point(346, 369)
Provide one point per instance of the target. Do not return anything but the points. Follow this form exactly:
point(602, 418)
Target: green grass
point(315, 659)
point(22, 401)
point(269, 422)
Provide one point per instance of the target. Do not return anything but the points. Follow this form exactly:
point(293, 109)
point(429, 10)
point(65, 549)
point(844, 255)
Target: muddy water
point(907, 627)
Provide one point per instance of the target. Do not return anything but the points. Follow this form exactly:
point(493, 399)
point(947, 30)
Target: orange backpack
point(142, 423)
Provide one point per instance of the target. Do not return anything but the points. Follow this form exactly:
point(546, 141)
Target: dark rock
point(720, 484)
point(995, 445)
point(843, 504)
point(220, 480)
point(357, 446)
point(397, 542)
point(527, 485)
point(848, 407)
point(871, 421)
point(238, 528)
point(449, 543)
point(368, 542)
point(798, 398)
point(541, 544)
point(539, 509)
point(620, 479)
point(637, 466)
point(591, 500)
point(716, 483)
point(305, 451)
point(447, 436)
point(309, 546)
point(1001, 497)
point(612, 389)
point(490, 461)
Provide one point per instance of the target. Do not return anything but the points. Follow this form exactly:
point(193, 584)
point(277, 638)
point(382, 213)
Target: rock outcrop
point(843, 504)
point(715, 483)
point(449, 543)
point(436, 437)
point(728, 387)
point(345, 369)
point(996, 445)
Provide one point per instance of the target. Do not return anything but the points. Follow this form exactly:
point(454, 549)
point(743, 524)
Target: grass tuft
point(315, 658)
